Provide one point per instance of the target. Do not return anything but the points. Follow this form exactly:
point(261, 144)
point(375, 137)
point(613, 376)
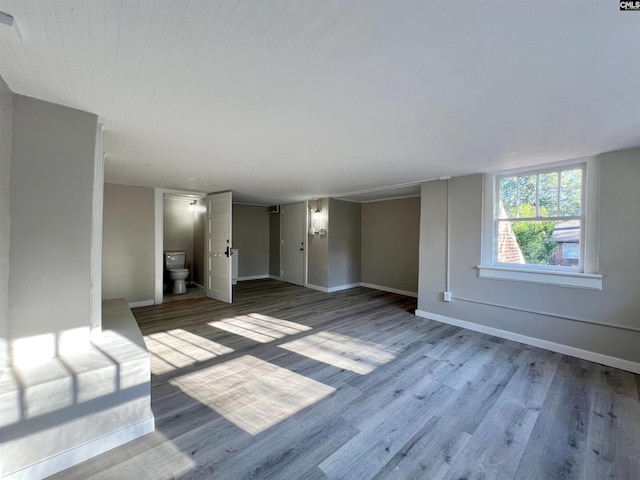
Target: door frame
point(158, 244)
point(306, 242)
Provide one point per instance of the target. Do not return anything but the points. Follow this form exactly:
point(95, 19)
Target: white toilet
point(174, 263)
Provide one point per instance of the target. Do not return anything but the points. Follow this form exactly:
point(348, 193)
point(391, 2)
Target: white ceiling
point(282, 101)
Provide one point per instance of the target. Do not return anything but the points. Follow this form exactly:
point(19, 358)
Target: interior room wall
point(128, 239)
point(198, 242)
point(345, 227)
point(548, 308)
point(51, 199)
point(55, 412)
point(6, 121)
point(390, 240)
point(274, 245)
point(251, 234)
point(318, 247)
point(177, 228)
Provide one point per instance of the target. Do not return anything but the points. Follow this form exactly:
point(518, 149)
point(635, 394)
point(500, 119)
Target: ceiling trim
point(392, 198)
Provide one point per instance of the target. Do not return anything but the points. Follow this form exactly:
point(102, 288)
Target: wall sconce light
point(315, 216)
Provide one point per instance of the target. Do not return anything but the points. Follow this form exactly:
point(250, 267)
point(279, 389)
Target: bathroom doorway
point(179, 227)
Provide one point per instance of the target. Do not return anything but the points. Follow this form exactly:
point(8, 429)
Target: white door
point(293, 243)
point(218, 247)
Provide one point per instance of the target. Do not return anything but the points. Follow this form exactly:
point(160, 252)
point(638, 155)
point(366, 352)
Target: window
point(536, 213)
point(570, 251)
point(540, 226)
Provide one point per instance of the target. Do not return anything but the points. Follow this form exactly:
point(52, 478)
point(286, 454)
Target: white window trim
point(587, 277)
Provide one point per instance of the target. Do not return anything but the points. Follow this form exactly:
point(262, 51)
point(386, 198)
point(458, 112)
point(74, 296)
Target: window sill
point(560, 279)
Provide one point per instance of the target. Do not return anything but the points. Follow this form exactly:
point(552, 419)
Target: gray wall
point(251, 236)
point(374, 243)
point(274, 244)
point(198, 243)
point(6, 121)
point(318, 246)
point(177, 226)
point(390, 239)
point(618, 302)
point(345, 228)
point(127, 243)
point(50, 188)
point(51, 196)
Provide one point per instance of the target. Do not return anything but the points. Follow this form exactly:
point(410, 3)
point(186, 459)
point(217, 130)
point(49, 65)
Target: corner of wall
point(6, 142)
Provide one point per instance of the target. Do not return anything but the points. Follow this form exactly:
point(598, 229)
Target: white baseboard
point(83, 452)
point(343, 287)
point(390, 290)
point(252, 277)
point(143, 303)
point(332, 289)
point(361, 284)
point(275, 277)
point(536, 342)
point(317, 287)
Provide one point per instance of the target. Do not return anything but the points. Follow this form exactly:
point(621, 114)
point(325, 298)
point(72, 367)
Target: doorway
point(183, 234)
point(159, 246)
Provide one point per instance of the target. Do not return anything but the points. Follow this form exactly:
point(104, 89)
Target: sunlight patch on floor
point(258, 327)
point(342, 351)
point(284, 326)
point(179, 348)
point(253, 394)
point(162, 458)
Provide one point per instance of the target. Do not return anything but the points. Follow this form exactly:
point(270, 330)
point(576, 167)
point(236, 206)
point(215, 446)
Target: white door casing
point(293, 243)
point(218, 247)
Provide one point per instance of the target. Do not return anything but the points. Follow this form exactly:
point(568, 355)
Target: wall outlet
point(447, 296)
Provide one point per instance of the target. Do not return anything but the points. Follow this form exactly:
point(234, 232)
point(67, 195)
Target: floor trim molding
point(362, 284)
point(332, 289)
point(252, 277)
point(536, 342)
point(317, 287)
point(390, 289)
point(343, 287)
point(143, 303)
point(79, 454)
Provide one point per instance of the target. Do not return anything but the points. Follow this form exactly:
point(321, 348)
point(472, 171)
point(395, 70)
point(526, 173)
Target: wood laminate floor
point(290, 383)
point(193, 291)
